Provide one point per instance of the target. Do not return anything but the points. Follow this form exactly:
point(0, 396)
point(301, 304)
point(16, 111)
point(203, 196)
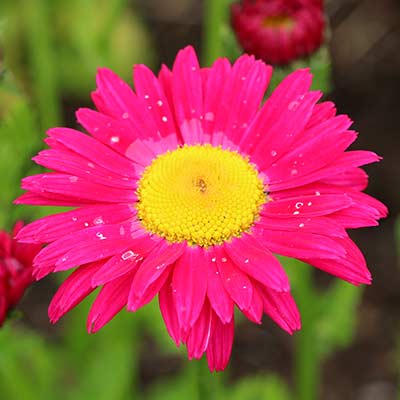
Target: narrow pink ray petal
point(255, 311)
point(218, 297)
point(109, 302)
point(320, 225)
point(321, 112)
point(80, 188)
point(116, 134)
point(240, 98)
point(306, 206)
point(53, 227)
point(168, 311)
point(347, 160)
point(257, 261)
point(189, 285)
point(94, 151)
point(213, 87)
point(220, 344)
point(150, 90)
point(153, 266)
point(70, 163)
point(236, 282)
point(96, 243)
point(301, 245)
point(50, 199)
point(188, 95)
point(72, 291)
point(282, 308)
point(139, 247)
point(199, 335)
point(302, 160)
point(356, 178)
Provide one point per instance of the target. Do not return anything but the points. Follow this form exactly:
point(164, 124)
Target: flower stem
point(216, 14)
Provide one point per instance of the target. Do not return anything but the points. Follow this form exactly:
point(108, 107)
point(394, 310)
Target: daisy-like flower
point(186, 187)
point(15, 269)
point(279, 31)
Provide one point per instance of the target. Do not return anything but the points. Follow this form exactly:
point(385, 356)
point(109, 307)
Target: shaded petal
point(236, 282)
point(199, 335)
point(109, 302)
point(220, 344)
point(73, 290)
point(189, 285)
point(218, 297)
point(257, 261)
point(153, 267)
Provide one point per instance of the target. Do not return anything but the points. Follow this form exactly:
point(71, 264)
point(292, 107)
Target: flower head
point(186, 187)
point(15, 269)
point(279, 31)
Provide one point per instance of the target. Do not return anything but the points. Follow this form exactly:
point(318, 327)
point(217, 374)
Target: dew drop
point(294, 172)
point(114, 139)
point(74, 219)
point(122, 231)
point(159, 103)
point(108, 124)
point(317, 193)
point(146, 96)
point(73, 179)
point(96, 129)
point(90, 164)
point(164, 118)
point(299, 204)
point(209, 116)
point(243, 78)
point(273, 153)
point(244, 287)
point(100, 236)
point(224, 259)
point(160, 266)
point(309, 203)
point(127, 255)
point(246, 261)
point(98, 220)
point(301, 225)
point(150, 107)
point(293, 105)
point(86, 224)
point(214, 259)
point(296, 212)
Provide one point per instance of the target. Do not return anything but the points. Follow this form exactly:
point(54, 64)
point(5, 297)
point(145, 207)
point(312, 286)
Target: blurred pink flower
point(185, 188)
point(279, 31)
point(15, 269)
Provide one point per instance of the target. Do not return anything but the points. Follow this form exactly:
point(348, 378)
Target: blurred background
point(49, 54)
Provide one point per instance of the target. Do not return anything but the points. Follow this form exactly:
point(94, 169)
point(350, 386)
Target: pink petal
point(199, 335)
point(53, 227)
point(94, 151)
point(301, 245)
point(50, 199)
point(188, 95)
point(153, 267)
point(236, 283)
point(73, 290)
point(306, 206)
point(220, 344)
point(82, 189)
point(282, 308)
point(168, 311)
point(320, 225)
point(109, 302)
point(218, 297)
point(356, 178)
point(189, 285)
point(321, 112)
point(255, 311)
point(257, 261)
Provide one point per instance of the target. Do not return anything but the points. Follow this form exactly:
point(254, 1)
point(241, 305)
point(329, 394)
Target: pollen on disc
point(201, 194)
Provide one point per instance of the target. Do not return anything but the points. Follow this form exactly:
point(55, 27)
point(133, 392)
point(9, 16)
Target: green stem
point(307, 360)
point(216, 14)
point(42, 62)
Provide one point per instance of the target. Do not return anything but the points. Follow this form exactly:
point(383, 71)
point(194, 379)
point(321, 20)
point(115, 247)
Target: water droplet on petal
point(224, 259)
point(96, 129)
point(309, 203)
point(74, 219)
point(294, 172)
point(246, 261)
point(159, 103)
point(90, 164)
point(122, 231)
point(164, 118)
point(299, 204)
point(301, 225)
point(293, 105)
point(125, 115)
point(128, 254)
point(114, 139)
point(244, 287)
point(146, 96)
point(98, 220)
point(273, 153)
point(296, 212)
point(214, 259)
point(100, 236)
point(73, 179)
point(86, 224)
point(209, 116)
point(317, 193)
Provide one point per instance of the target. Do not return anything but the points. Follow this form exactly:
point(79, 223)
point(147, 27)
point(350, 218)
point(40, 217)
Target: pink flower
point(279, 31)
point(15, 269)
point(186, 187)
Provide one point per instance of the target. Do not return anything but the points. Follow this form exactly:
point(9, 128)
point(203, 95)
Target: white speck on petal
point(125, 115)
point(114, 139)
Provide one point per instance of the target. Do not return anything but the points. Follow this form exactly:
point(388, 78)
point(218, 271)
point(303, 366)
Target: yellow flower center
point(202, 194)
point(279, 21)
